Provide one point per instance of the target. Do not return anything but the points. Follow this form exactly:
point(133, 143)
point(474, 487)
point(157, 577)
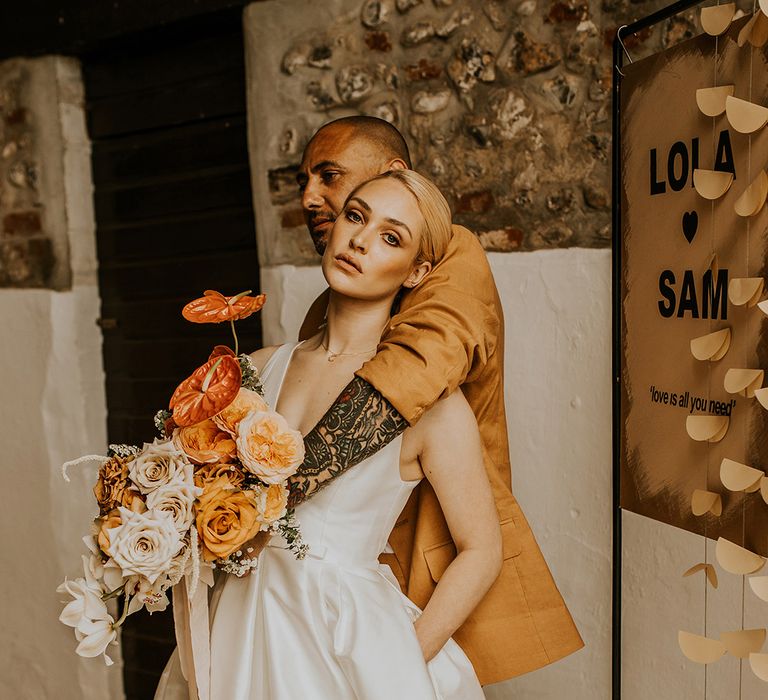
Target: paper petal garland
point(755, 31)
point(759, 586)
point(759, 665)
point(708, 570)
point(701, 650)
point(717, 18)
point(743, 381)
point(745, 290)
point(744, 116)
point(753, 198)
point(709, 428)
point(706, 502)
point(711, 184)
point(740, 477)
point(712, 346)
point(711, 101)
point(742, 643)
point(737, 560)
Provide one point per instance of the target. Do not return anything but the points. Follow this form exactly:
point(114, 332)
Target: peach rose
point(208, 473)
point(226, 519)
point(204, 443)
point(268, 448)
point(112, 483)
point(273, 502)
point(112, 520)
point(246, 401)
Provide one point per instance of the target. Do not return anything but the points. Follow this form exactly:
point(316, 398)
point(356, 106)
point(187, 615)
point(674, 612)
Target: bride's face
point(374, 243)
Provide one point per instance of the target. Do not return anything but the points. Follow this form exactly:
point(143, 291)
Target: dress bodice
point(350, 519)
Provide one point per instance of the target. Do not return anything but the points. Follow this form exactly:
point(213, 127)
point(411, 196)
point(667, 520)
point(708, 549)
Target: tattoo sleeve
point(359, 424)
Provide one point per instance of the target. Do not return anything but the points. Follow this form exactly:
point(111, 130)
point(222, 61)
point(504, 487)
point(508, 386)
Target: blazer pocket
point(438, 557)
point(510, 541)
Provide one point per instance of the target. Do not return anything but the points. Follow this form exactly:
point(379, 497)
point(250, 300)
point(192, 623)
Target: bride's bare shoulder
point(261, 357)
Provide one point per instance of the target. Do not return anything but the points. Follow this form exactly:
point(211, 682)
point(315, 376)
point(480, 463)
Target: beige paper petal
point(739, 477)
point(743, 381)
point(763, 306)
point(759, 586)
point(706, 502)
point(717, 18)
point(711, 101)
point(758, 36)
point(737, 560)
point(759, 665)
point(742, 643)
point(762, 396)
point(708, 569)
point(710, 346)
point(711, 184)
point(744, 116)
point(764, 489)
point(753, 198)
point(710, 428)
point(745, 290)
point(746, 30)
point(702, 650)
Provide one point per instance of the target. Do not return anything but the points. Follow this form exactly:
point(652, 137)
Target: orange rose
point(204, 443)
point(226, 519)
point(112, 520)
point(112, 484)
point(246, 401)
point(208, 473)
point(274, 503)
point(268, 448)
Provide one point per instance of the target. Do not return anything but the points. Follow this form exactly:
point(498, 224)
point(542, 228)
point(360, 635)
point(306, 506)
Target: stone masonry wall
point(33, 248)
point(506, 104)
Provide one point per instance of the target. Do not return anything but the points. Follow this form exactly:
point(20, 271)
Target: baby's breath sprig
point(288, 527)
point(160, 418)
point(250, 378)
point(121, 450)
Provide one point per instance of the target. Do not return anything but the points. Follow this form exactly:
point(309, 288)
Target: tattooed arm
point(359, 424)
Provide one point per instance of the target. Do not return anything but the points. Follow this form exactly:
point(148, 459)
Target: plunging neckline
point(279, 390)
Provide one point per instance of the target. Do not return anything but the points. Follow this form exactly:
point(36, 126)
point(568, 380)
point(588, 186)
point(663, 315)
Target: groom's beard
point(320, 224)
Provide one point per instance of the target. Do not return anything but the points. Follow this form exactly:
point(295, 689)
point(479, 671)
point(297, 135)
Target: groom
point(448, 333)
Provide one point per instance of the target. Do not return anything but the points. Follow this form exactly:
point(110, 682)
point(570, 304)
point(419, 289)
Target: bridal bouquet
point(207, 493)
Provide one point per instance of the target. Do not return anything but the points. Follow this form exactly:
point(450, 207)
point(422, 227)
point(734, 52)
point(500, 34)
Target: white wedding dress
point(335, 625)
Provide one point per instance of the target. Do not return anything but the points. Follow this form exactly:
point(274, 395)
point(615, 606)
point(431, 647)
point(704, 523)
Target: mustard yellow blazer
point(449, 333)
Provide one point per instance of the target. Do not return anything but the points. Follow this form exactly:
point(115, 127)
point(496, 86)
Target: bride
point(335, 625)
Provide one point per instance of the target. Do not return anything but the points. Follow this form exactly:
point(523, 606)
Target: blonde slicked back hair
point(436, 232)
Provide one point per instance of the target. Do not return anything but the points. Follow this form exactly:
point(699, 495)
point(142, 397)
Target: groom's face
point(335, 161)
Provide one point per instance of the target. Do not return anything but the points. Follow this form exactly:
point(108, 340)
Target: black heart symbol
point(690, 224)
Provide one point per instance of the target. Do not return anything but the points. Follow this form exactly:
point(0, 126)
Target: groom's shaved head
point(384, 137)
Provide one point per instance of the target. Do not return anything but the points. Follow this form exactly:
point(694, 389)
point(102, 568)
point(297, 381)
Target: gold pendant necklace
point(333, 355)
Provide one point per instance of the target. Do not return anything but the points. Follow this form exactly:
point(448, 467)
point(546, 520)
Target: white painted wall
point(52, 409)
point(558, 367)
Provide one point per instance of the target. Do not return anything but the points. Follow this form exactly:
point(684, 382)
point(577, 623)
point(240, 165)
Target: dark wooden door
point(166, 114)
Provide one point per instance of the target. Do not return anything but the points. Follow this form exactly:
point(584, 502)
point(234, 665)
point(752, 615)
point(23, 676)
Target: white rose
point(157, 464)
point(144, 543)
point(177, 498)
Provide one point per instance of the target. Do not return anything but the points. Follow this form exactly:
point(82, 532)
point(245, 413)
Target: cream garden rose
point(247, 401)
point(177, 497)
point(268, 447)
point(156, 464)
point(144, 543)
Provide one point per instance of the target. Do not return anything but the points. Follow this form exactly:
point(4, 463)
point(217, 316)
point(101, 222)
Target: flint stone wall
point(505, 104)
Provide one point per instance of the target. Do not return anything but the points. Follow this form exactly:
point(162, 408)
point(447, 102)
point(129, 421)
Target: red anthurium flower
point(210, 389)
point(214, 307)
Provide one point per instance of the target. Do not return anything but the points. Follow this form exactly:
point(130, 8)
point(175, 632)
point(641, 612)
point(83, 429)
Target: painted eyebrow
point(394, 222)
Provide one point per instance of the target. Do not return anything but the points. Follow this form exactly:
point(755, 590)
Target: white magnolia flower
point(177, 498)
point(86, 603)
point(144, 543)
point(94, 637)
point(156, 465)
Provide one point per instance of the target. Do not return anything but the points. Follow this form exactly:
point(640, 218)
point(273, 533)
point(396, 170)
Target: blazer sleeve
point(444, 333)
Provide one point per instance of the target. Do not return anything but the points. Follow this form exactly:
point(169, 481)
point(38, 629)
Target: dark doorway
point(167, 118)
